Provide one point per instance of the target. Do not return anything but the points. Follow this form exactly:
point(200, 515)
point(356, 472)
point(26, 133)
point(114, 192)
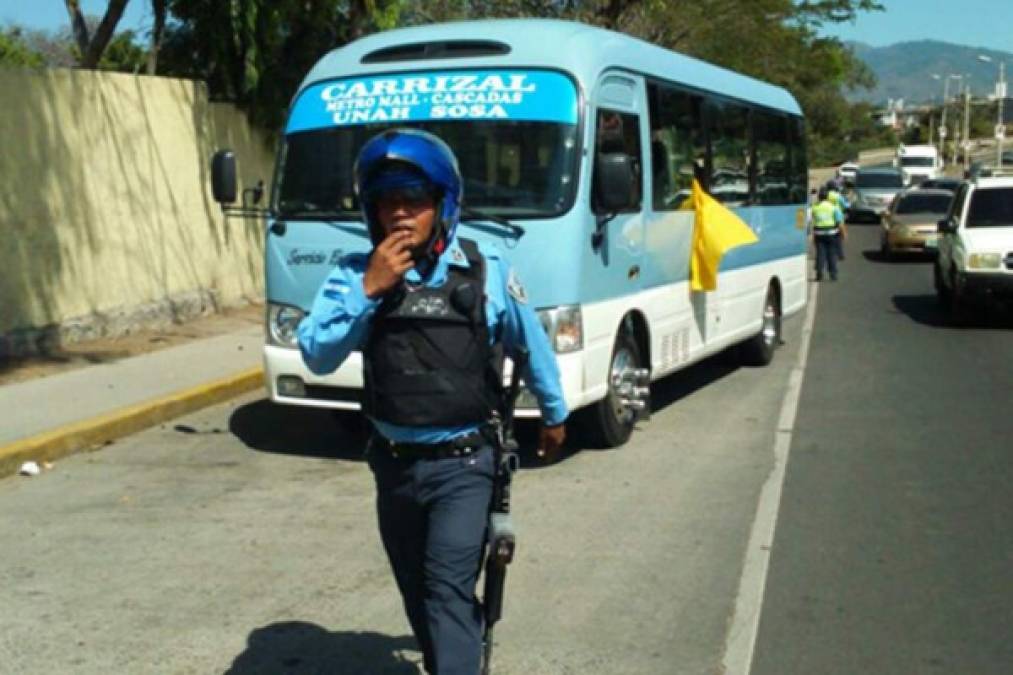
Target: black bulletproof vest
point(428, 361)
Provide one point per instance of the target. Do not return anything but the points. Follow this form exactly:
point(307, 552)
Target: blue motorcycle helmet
point(403, 158)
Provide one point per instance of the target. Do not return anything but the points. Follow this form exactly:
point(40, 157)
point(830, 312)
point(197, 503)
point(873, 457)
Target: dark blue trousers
point(433, 516)
point(826, 255)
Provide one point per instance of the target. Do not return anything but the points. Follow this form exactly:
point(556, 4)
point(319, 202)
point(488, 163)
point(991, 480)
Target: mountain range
point(906, 69)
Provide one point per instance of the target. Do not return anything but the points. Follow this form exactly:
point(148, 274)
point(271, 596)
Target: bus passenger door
point(619, 236)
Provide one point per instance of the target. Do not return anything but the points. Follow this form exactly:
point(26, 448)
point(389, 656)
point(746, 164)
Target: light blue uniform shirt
point(339, 321)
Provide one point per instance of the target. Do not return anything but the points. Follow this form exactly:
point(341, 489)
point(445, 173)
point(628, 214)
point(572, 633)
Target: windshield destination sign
point(454, 95)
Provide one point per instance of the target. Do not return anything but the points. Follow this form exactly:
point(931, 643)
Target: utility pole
point(967, 124)
point(1000, 129)
point(956, 123)
point(942, 122)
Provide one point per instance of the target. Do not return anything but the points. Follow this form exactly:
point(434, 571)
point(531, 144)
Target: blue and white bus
point(540, 113)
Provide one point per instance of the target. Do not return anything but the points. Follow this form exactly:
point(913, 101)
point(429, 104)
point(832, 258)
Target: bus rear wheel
point(759, 349)
point(609, 422)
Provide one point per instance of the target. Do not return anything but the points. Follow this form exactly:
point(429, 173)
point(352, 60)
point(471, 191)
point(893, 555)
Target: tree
point(91, 45)
point(255, 52)
point(15, 52)
point(124, 54)
point(159, 10)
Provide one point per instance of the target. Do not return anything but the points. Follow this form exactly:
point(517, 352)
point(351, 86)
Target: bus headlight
point(564, 327)
point(282, 321)
point(984, 261)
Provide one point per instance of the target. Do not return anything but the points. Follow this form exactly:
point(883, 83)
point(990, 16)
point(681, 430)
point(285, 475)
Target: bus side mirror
point(945, 226)
point(614, 178)
point(223, 177)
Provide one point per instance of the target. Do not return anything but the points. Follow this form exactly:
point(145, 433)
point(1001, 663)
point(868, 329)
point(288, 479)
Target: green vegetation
point(255, 52)
point(15, 52)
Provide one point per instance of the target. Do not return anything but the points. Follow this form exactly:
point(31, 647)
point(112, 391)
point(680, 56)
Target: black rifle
point(502, 538)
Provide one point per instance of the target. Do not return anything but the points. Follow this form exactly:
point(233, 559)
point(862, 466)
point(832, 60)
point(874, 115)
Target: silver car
point(874, 192)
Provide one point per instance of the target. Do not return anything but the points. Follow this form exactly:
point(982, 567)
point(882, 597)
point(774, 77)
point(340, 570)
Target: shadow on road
point(331, 434)
point(925, 309)
point(300, 647)
point(877, 256)
point(683, 383)
point(296, 430)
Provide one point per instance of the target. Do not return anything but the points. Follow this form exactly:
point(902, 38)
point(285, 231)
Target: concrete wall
point(106, 215)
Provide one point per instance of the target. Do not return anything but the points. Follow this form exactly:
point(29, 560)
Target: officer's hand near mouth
point(388, 264)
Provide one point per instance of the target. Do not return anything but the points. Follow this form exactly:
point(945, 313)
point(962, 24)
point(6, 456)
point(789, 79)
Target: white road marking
point(741, 641)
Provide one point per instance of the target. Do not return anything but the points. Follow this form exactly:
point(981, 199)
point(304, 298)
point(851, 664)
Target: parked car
point(1007, 157)
point(873, 193)
point(974, 264)
point(847, 172)
point(910, 225)
point(943, 183)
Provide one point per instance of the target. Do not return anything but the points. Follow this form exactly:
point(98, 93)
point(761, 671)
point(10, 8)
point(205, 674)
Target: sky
point(52, 14)
point(975, 23)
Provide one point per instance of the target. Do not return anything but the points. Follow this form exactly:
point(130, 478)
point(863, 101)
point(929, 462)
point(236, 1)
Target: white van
point(917, 162)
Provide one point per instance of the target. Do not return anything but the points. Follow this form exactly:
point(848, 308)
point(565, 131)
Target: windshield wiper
point(468, 214)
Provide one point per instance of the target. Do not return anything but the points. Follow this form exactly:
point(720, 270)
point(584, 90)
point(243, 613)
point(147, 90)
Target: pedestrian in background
point(827, 224)
point(433, 315)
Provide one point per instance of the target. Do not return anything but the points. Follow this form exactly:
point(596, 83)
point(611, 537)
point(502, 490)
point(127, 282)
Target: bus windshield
point(514, 132)
point(510, 169)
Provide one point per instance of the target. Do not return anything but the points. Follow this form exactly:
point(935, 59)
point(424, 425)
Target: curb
point(103, 429)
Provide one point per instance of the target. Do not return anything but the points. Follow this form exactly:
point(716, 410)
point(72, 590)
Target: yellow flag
point(716, 229)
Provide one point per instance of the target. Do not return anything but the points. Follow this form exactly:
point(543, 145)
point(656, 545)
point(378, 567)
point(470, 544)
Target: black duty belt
point(461, 446)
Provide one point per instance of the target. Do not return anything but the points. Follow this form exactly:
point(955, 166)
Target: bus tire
point(606, 423)
point(759, 349)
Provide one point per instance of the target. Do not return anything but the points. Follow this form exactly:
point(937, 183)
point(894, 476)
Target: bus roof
point(582, 50)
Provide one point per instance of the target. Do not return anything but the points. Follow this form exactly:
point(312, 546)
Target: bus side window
point(799, 177)
point(730, 155)
point(770, 135)
point(620, 132)
point(678, 147)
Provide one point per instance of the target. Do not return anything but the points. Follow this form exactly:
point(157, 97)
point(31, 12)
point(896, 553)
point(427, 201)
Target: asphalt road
point(242, 540)
point(894, 544)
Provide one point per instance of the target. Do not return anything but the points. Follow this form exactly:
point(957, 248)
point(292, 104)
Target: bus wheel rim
point(623, 365)
point(769, 324)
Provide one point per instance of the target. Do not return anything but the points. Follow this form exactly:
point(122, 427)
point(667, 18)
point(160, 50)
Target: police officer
point(827, 220)
point(433, 314)
point(835, 193)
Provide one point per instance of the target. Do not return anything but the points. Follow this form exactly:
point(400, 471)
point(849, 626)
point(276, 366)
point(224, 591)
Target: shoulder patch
point(516, 289)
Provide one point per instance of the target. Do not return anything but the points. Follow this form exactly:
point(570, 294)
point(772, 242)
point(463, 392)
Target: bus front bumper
point(290, 382)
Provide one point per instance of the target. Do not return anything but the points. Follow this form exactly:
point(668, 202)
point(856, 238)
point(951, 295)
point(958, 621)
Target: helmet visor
point(410, 186)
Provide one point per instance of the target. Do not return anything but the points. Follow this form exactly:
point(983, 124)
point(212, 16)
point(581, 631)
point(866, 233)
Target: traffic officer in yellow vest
point(828, 225)
point(835, 194)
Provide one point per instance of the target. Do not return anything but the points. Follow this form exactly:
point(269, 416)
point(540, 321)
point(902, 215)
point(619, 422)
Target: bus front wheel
point(609, 422)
